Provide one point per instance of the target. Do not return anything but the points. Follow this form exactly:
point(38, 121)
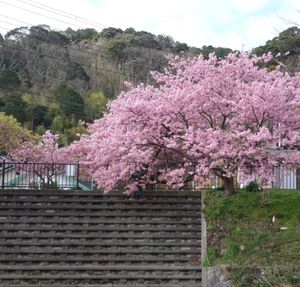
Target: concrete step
point(108, 251)
point(89, 277)
point(96, 214)
point(106, 285)
point(102, 200)
point(73, 238)
point(45, 259)
point(110, 242)
point(97, 193)
point(88, 221)
point(62, 207)
point(79, 267)
point(100, 236)
point(98, 228)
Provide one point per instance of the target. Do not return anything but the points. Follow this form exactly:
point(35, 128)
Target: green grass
point(242, 236)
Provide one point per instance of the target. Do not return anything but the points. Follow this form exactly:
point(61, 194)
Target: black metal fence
point(39, 175)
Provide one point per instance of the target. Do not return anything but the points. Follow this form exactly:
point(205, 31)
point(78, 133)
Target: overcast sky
point(237, 24)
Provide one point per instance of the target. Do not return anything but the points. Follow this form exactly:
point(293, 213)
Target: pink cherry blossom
point(46, 151)
point(200, 119)
point(45, 157)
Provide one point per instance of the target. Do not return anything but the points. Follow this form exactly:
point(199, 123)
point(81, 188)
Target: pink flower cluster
point(201, 118)
point(46, 151)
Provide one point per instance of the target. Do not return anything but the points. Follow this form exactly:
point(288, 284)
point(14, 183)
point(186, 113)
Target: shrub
point(252, 187)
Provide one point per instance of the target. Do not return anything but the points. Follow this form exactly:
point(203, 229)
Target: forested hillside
point(51, 79)
point(54, 79)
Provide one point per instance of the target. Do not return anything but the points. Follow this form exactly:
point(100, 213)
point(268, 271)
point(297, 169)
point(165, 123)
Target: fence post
point(77, 177)
point(3, 173)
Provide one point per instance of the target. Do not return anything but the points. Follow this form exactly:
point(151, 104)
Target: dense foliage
point(285, 49)
point(12, 135)
point(287, 42)
point(202, 118)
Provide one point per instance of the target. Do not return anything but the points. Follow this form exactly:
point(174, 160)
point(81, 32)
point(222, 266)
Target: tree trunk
point(228, 184)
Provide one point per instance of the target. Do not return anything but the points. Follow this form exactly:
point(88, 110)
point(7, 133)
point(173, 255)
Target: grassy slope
point(241, 236)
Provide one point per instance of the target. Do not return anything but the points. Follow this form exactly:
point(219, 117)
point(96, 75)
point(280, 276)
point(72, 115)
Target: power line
point(40, 14)
point(58, 59)
point(75, 112)
point(78, 113)
point(67, 15)
point(7, 29)
point(14, 19)
point(63, 13)
point(9, 23)
point(38, 38)
point(68, 46)
point(31, 25)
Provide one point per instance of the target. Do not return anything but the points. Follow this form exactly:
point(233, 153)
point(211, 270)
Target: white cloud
point(231, 23)
point(247, 7)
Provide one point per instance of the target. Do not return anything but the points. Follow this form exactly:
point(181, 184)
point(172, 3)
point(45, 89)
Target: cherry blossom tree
point(44, 157)
point(45, 151)
point(201, 119)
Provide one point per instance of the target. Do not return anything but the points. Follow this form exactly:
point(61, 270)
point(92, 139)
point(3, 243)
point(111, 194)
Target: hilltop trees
point(286, 48)
point(201, 119)
point(287, 42)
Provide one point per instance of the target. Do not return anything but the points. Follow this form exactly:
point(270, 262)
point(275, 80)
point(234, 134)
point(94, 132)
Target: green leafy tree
point(40, 130)
point(15, 106)
point(80, 34)
point(110, 32)
point(38, 115)
point(58, 124)
point(180, 47)
point(166, 42)
point(219, 51)
point(68, 129)
point(69, 101)
point(12, 134)
point(286, 43)
point(129, 30)
point(145, 39)
point(73, 133)
point(95, 105)
point(116, 49)
point(61, 123)
point(9, 79)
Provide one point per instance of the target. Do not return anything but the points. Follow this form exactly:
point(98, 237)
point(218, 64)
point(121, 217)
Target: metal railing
point(39, 175)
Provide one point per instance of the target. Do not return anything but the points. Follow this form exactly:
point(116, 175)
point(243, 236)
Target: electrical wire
point(58, 59)
point(68, 46)
point(79, 19)
point(14, 19)
point(40, 14)
point(63, 13)
point(54, 109)
point(39, 38)
point(67, 15)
